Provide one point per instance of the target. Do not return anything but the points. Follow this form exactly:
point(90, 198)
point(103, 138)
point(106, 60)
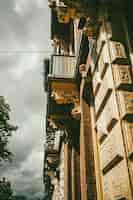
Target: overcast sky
point(24, 35)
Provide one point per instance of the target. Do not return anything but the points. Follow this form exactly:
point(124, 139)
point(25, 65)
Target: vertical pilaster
point(88, 180)
point(83, 170)
point(100, 195)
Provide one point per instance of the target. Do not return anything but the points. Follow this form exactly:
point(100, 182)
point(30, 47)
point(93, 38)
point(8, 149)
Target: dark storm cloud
point(24, 32)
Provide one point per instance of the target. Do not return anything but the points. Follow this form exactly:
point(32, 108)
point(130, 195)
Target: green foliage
point(20, 197)
point(6, 130)
point(6, 192)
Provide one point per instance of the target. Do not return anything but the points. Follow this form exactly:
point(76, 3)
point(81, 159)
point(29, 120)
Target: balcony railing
point(63, 67)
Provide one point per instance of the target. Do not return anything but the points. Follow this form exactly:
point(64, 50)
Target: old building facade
point(89, 86)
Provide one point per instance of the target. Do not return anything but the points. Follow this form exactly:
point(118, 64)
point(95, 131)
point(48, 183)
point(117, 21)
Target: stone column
point(83, 171)
point(87, 164)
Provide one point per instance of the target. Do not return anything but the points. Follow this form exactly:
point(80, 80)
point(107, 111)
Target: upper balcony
point(67, 9)
point(60, 29)
point(62, 67)
point(60, 81)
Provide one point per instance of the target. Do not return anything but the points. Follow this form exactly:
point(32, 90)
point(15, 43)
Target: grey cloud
point(26, 179)
point(24, 28)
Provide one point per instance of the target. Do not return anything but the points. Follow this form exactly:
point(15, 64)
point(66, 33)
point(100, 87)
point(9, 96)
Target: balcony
point(77, 9)
point(62, 67)
point(60, 31)
point(53, 141)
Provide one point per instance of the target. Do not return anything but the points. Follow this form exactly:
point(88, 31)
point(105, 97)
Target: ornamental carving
point(122, 76)
point(65, 97)
point(117, 53)
point(125, 100)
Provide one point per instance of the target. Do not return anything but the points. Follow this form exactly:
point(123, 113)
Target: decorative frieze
point(122, 77)
point(116, 183)
point(112, 150)
point(64, 92)
point(125, 100)
point(117, 53)
point(62, 97)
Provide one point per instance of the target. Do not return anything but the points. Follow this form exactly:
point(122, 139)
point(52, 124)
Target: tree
point(6, 192)
point(20, 197)
point(6, 130)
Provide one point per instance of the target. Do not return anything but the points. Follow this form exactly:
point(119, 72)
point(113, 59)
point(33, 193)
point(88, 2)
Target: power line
point(25, 52)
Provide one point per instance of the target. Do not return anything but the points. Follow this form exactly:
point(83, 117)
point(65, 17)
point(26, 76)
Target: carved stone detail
point(112, 150)
point(122, 76)
point(116, 183)
point(65, 97)
point(117, 53)
point(126, 104)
